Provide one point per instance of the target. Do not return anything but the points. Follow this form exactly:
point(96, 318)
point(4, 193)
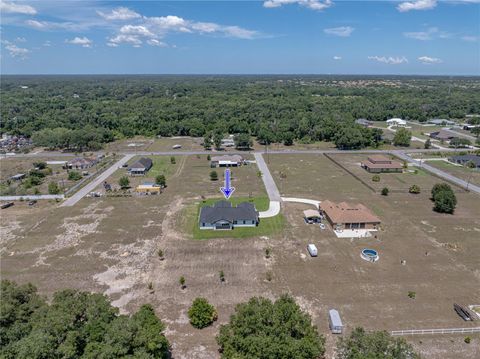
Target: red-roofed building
point(348, 216)
point(381, 164)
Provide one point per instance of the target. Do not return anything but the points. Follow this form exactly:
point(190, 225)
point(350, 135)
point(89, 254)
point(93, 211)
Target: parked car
point(32, 203)
point(312, 249)
point(6, 205)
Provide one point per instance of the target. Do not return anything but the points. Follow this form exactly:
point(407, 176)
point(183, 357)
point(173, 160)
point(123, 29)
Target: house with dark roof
point(464, 159)
point(381, 164)
point(222, 215)
point(226, 161)
point(140, 167)
point(363, 122)
point(81, 163)
point(442, 135)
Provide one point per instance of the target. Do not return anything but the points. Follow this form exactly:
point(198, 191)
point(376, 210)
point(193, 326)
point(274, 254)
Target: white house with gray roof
point(222, 215)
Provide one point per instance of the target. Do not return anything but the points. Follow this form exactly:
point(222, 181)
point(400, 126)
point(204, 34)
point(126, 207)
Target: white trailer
point(335, 323)
point(312, 249)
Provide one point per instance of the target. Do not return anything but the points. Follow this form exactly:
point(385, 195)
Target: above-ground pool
point(370, 255)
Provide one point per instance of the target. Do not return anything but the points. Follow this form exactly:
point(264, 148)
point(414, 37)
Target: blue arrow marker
point(227, 190)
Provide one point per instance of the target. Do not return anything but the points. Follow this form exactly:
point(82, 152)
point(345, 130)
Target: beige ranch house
point(348, 216)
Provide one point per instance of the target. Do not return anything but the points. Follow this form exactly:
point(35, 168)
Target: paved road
point(440, 173)
point(270, 186)
point(82, 192)
point(193, 153)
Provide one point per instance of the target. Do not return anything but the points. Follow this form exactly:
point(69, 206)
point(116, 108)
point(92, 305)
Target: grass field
point(467, 174)
point(109, 245)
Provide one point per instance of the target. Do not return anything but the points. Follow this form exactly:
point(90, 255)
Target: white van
point(312, 249)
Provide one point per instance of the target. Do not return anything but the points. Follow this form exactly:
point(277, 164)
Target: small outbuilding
point(335, 322)
point(18, 177)
point(148, 188)
point(311, 216)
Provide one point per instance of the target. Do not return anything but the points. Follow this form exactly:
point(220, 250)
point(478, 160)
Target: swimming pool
point(370, 255)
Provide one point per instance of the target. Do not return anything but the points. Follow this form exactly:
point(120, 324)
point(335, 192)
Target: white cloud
point(429, 60)
point(50, 25)
point(16, 8)
point(82, 41)
point(16, 51)
point(310, 4)
point(342, 31)
point(124, 39)
point(389, 60)
point(470, 38)
point(21, 39)
point(429, 34)
point(136, 30)
point(120, 13)
point(47, 43)
point(337, 57)
point(416, 5)
point(155, 42)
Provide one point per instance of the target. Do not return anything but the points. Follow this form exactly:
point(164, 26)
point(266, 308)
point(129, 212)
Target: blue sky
point(425, 37)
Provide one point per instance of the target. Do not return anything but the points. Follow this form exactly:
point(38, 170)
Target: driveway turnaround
point(312, 202)
point(272, 210)
point(82, 192)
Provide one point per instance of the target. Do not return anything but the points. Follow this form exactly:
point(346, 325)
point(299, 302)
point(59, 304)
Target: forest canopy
point(90, 110)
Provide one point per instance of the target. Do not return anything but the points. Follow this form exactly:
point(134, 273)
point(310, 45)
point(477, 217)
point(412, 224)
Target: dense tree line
point(75, 325)
point(274, 108)
point(83, 325)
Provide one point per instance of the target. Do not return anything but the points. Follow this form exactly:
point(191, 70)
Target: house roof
point(442, 135)
point(143, 163)
point(311, 213)
point(397, 120)
point(229, 158)
point(379, 161)
point(223, 210)
point(466, 158)
point(348, 213)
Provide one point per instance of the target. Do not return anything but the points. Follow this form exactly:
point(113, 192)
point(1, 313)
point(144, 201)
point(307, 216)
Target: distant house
point(381, 164)
point(140, 167)
point(348, 216)
point(148, 188)
point(464, 159)
point(441, 122)
point(363, 122)
point(222, 215)
point(176, 147)
point(226, 161)
point(396, 122)
point(442, 135)
point(228, 142)
point(81, 163)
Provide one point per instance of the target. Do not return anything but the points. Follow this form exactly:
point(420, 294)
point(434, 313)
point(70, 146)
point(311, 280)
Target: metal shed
point(335, 323)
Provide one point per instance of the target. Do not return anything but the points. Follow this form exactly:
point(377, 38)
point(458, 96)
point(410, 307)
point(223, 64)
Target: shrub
point(53, 188)
point(182, 282)
point(209, 157)
point(161, 181)
point(213, 176)
point(444, 198)
point(276, 330)
point(172, 160)
point(385, 191)
point(267, 253)
point(412, 295)
point(160, 254)
point(414, 189)
point(202, 313)
point(124, 182)
point(376, 178)
point(74, 176)
point(222, 276)
point(269, 276)
point(467, 340)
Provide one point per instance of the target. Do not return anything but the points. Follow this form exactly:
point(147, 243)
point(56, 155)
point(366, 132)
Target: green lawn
point(266, 227)
point(162, 166)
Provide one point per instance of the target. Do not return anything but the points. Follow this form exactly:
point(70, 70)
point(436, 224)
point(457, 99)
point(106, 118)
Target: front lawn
point(266, 227)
